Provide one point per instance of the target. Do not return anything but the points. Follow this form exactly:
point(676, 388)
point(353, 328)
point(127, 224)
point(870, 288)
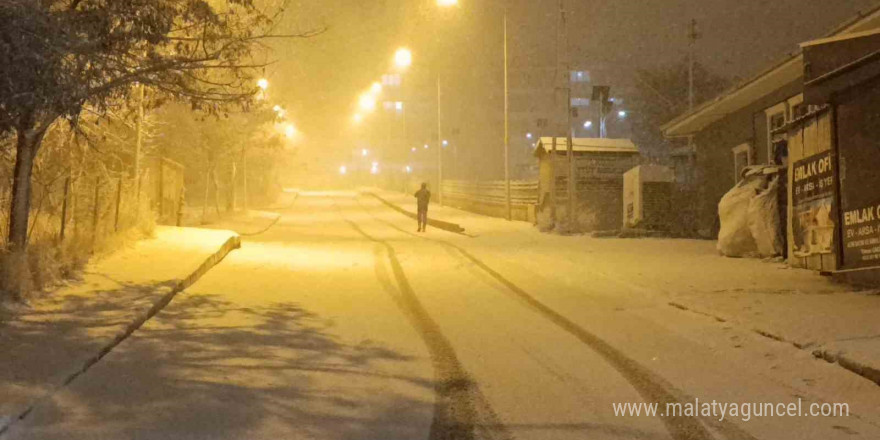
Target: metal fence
point(89, 207)
point(490, 197)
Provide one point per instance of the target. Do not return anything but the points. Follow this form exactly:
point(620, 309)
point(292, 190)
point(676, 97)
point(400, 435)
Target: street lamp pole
point(572, 184)
point(506, 123)
point(439, 142)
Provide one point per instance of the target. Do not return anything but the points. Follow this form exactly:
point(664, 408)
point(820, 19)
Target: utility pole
point(568, 135)
point(506, 123)
point(693, 36)
point(439, 142)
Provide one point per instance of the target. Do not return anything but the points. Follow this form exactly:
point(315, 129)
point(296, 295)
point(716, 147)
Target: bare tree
point(59, 56)
point(662, 94)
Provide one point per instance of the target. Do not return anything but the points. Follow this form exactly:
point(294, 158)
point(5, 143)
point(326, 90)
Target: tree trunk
point(205, 202)
point(216, 191)
point(230, 204)
point(27, 144)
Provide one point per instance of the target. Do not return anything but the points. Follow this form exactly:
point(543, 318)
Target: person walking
point(423, 196)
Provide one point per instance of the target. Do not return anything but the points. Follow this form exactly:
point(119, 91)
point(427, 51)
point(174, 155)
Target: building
point(842, 78)
point(599, 165)
point(766, 120)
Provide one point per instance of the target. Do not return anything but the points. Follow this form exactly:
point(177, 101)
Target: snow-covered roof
point(842, 37)
point(589, 145)
point(789, 70)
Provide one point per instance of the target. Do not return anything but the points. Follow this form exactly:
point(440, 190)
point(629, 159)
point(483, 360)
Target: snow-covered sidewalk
point(833, 321)
point(55, 335)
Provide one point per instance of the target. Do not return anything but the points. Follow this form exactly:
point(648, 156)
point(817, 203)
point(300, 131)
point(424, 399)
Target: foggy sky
point(320, 79)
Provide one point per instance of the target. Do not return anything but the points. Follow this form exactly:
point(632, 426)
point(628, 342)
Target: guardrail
point(490, 197)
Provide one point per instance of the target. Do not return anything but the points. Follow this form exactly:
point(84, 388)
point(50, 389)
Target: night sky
point(319, 79)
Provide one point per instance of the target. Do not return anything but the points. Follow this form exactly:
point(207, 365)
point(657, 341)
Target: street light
point(263, 83)
point(364, 152)
point(447, 3)
point(403, 58)
point(621, 114)
point(343, 169)
point(367, 103)
point(289, 131)
point(376, 88)
point(588, 124)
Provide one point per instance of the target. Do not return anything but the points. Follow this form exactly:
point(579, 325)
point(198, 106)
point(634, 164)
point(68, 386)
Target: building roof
point(787, 71)
point(842, 37)
point(588, 145)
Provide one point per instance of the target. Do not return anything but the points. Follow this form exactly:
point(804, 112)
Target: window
point(742, 157)
point(580, 76)
point(777, 121)
point(580, 102)
point(777, 117)
point(392, 79)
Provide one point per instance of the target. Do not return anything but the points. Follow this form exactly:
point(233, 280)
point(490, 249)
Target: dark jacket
point(423, 196)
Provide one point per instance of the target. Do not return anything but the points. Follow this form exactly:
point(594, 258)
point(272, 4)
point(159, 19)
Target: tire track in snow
point(650, 386)
point(461, 412)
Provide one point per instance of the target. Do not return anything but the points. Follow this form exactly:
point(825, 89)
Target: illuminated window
point(581, 76)
point(391, 79)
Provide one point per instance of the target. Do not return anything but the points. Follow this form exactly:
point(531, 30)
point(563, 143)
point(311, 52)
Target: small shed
point(599, 164)
point(647, 197)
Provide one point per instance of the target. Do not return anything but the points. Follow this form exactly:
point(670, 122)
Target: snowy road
point(341, 322)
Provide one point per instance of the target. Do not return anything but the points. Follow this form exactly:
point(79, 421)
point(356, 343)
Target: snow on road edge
point(231, 244)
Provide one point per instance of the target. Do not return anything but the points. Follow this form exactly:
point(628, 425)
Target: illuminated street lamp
point(368, 103)
point(588, 124)
point(426, 146)
point(621, 114)
point(263, 83)
point(289, 131)
point(445, 142)
point(446, 3)
point(364, 152)
point(376, 88)
point(343, 169)
point(413, 149)
point(403, 58)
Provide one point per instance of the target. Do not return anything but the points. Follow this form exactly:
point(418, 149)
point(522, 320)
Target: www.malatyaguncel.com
point(744, 411)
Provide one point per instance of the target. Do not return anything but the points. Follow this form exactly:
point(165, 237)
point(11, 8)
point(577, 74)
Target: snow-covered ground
point(47, 340)
point(342, 322)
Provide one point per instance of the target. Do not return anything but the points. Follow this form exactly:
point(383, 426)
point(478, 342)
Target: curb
point(866, 371)
point(439, 224)
point(231, 244)
point(274, 222)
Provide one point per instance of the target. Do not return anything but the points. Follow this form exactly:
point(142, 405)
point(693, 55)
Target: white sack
point(735, 239)
point(763, 220)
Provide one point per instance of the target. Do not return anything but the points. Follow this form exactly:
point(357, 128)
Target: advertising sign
point(861, 236)
point(813, 205)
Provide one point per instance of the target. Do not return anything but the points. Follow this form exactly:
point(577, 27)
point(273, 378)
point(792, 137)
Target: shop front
point(843, 75)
